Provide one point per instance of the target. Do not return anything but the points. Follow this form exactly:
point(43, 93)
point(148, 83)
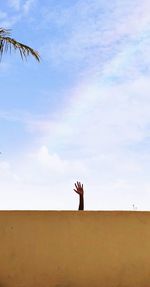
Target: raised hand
point(79, 188)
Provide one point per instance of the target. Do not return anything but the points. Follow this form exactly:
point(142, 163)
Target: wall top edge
point(76, 211)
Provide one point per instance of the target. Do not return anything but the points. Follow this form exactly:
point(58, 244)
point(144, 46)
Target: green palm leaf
point(7, 43)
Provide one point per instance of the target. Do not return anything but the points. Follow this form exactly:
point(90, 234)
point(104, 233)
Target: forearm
point(81, 202)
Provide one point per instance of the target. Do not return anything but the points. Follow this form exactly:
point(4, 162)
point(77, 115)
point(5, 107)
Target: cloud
point(27, 6)
point(96, 140)
point(45, 181)
point(41, 175)
point(104, 124)
point(7, 20)
point(24, 6)
point(105, 111)
point(52, 162)
point(20, 9)
point(15, 4)
point(92, 33)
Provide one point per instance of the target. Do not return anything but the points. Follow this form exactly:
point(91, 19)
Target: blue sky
point(83, 112)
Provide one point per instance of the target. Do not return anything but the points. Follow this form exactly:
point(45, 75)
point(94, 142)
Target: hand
point(79, 188)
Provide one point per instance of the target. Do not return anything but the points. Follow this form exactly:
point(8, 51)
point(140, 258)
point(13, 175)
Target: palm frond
point(7, 43)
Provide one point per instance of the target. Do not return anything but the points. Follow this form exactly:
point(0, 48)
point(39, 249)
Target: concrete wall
point(69, 249)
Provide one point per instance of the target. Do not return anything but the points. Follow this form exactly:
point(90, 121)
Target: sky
point(83, 112)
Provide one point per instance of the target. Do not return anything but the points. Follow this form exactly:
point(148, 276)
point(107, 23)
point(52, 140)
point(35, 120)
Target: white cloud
point(15, 4)
point(6, 172)
point(103, 124)
point(20, 6)
point(52, 162)
point(39, 180)
point(20, 9)
point(113, 112)
point(94, 31)
point(28, 4)
point(8, 20)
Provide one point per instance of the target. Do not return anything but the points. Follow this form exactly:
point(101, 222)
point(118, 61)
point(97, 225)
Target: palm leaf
point(7, 43)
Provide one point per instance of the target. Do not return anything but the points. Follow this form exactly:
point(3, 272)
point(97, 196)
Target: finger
point(76, 191)
point(79, 184)
point(76, 186)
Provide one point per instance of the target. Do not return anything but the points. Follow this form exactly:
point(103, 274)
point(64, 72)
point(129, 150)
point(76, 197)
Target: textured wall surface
point(74, 248)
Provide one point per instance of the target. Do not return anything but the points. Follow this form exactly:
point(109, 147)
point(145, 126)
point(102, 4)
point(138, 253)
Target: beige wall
point(74, 248)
